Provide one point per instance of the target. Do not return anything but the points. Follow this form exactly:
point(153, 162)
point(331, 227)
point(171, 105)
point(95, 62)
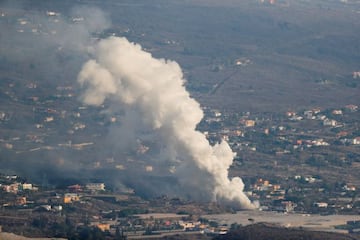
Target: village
point(317, 139)
point(32, 209)
point(303, 161)
point(300, 192)
point(26, 208)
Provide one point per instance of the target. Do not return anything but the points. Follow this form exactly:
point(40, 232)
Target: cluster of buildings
point(28, 195)
point(274, 197)
point(286, 137)
point(10, 184)
point(62, 203)
point(158, 223)
point(333, 127)
point(326, 120)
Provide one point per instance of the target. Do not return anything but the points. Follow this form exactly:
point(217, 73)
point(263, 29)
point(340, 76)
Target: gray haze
point(50, 40)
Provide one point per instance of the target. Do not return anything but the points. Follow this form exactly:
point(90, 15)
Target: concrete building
point(249, 123)
point(95, 186)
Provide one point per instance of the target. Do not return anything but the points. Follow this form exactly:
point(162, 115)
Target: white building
point(356, 141)
point(95, 186)
point(27, 186)
point(329, 122)
point(321, 204)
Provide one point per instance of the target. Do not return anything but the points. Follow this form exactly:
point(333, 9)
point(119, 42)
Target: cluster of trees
point(67, 230)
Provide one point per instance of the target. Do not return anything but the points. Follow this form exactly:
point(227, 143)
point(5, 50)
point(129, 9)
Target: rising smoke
point(150, 92)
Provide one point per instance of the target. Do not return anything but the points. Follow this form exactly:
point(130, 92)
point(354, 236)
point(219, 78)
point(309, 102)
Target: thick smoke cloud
point(150, 92)
point(158, 116)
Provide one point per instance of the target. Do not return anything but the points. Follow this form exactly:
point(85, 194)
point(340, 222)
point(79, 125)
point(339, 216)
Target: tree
point(119, 234)
point(88, 233)
point(40, 222)
point(235, 226)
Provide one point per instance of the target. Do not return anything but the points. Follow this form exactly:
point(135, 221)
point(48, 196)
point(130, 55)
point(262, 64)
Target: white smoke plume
point(152, 94)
